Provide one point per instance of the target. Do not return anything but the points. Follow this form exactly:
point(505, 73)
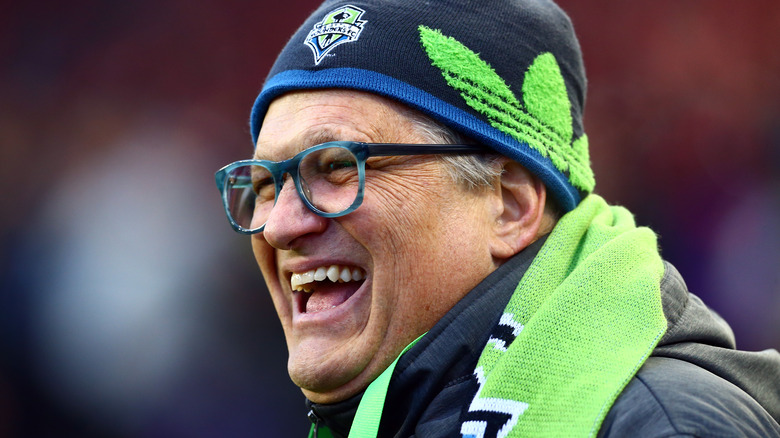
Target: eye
point(263, 183)
point(339, 165)
point(264, 188)
point(331, 160)
point(332, 165)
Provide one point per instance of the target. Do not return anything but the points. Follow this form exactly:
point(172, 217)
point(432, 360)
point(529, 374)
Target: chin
point(325, 370)
point(327, 385)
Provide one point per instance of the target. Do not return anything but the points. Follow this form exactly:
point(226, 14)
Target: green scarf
point(586, 315)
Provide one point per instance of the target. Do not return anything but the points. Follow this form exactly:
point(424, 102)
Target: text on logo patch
point(342, 25)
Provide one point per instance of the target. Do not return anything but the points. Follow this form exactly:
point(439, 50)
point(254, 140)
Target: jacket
point(694, 384)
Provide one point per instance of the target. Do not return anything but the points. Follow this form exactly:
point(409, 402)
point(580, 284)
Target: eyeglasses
point(329, 178)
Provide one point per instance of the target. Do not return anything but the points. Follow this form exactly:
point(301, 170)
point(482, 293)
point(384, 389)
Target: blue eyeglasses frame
point(361, 151)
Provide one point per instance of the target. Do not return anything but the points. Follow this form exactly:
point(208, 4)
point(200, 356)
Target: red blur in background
point(131, 309)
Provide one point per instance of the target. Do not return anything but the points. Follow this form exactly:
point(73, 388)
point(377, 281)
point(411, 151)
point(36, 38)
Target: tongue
point(330, 296)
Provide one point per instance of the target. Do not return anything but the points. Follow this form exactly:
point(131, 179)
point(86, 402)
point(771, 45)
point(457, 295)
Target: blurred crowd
point(128, 306)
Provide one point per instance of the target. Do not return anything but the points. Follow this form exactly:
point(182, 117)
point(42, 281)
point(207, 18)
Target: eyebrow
point(319, 137)
point(308, 140)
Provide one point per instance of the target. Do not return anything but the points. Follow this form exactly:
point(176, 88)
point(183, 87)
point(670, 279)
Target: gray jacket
point(695, 384)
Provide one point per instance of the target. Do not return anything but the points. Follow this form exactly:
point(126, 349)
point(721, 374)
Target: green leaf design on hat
point(543, 120)
point(545, 95)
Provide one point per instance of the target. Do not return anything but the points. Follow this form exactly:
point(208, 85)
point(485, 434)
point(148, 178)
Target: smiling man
point(421, 207)
point(352, 292)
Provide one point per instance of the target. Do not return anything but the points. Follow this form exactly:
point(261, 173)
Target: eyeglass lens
point(328, 179)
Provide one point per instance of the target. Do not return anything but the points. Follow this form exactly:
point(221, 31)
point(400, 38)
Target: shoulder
point(673, 398)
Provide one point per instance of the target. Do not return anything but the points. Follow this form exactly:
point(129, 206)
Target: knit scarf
point(583, 319)
point(581, 322)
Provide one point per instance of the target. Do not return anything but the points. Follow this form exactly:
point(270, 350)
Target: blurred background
point(128, 306)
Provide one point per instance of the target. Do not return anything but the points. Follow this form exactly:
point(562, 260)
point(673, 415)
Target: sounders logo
point(342, 25)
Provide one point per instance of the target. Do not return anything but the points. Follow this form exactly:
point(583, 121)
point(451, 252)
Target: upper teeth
point(302, 281)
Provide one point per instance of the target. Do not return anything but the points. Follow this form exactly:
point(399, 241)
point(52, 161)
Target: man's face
point(417, 244)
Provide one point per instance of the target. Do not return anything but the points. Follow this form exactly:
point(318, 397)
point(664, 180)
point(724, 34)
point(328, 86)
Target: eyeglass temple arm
point(387, 149)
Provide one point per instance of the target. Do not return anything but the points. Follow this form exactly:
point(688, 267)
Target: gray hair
point(472, 172)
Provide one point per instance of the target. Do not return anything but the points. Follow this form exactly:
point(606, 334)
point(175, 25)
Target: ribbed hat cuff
point(350, 78)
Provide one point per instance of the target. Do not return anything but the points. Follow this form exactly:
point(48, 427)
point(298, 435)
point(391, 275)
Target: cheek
point(407, 231)
point(395, 228)
point(406, 206)
point(264, 255)
point(419, 275)
point(266, 261)
point(389, 227)
point(427, 239)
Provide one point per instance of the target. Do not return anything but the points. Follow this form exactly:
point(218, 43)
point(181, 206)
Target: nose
point(290, 219)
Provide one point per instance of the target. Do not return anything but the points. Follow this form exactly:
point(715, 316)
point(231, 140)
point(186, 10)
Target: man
point(420, 204)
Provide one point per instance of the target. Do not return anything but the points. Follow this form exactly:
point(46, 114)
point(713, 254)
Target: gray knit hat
point(506, 73)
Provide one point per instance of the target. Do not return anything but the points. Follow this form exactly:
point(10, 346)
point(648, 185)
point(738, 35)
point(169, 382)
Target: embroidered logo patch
point(342, 25)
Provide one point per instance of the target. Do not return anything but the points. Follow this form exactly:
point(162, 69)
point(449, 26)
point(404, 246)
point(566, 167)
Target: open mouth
point(326, 287)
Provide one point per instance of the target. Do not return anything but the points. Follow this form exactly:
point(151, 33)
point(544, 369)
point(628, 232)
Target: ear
point(520, 199)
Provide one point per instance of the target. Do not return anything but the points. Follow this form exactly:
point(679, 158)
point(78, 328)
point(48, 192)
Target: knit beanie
point(505, 73)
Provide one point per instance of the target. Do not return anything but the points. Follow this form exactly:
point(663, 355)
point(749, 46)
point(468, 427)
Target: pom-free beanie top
point(505, 73)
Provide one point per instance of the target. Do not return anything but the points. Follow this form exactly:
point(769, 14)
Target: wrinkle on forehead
point(302, 119)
